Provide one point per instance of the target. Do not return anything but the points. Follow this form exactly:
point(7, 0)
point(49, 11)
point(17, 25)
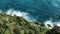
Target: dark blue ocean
point(40, 10)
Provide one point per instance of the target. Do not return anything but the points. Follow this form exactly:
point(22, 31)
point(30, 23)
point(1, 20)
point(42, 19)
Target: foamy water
point(25, 15)
point(51, 23)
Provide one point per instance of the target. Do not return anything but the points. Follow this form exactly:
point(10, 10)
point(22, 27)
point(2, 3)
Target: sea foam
point(25, 15)
point(51, 23)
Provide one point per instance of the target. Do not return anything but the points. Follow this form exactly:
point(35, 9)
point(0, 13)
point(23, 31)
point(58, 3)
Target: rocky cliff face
point(18, 25)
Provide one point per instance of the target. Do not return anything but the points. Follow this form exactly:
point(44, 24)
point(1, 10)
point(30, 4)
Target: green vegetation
point(18, 25)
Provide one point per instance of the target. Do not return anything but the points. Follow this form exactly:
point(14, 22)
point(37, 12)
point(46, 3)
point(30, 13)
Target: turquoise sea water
point(40, 10)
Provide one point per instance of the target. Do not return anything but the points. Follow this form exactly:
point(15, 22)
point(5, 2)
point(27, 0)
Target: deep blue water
point(40, 10)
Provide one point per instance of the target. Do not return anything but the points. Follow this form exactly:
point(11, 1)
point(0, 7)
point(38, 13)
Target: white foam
point(48, 22)
point(19, 13)
point(51, 23)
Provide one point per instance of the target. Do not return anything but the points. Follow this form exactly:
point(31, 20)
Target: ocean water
point(33, 10)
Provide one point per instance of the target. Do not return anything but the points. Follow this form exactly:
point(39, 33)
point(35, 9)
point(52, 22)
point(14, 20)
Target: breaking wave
point(25, 15)
point(51, 23)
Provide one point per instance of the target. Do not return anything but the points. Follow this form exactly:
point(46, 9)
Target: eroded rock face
point(18, 25)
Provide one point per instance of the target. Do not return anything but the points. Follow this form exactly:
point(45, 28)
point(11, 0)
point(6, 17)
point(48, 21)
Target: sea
point(45, 11)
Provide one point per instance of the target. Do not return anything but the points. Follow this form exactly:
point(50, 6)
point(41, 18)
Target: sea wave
point(25, 15)
point(50, 22)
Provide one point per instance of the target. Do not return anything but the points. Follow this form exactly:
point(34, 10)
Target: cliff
point(18, 25)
